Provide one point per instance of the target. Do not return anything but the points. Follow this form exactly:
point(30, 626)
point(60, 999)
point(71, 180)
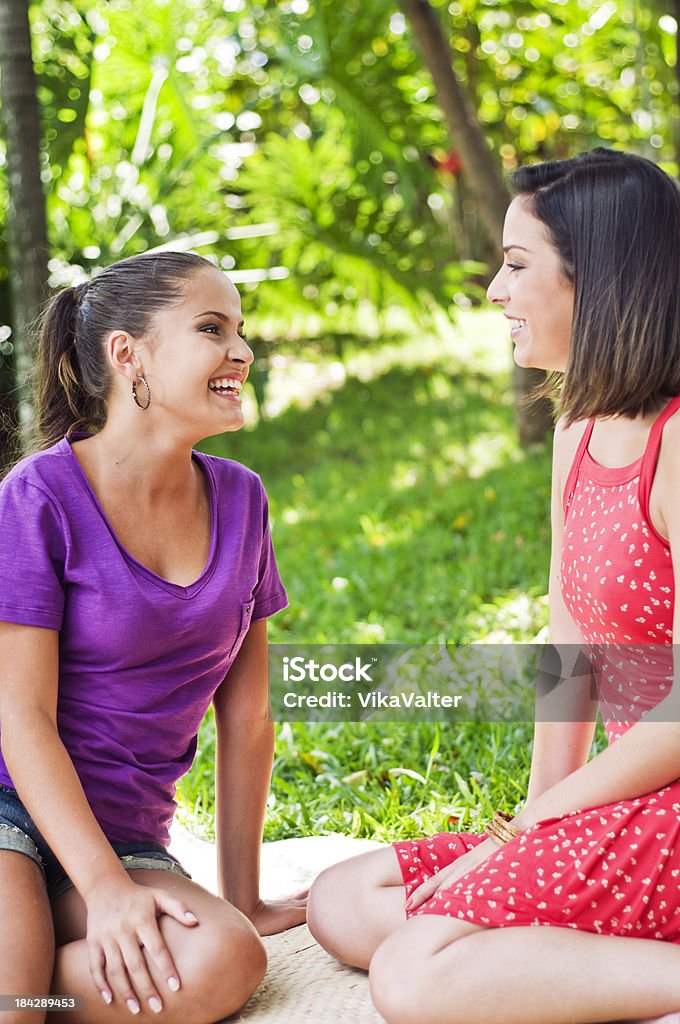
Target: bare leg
point(437, 970)
point(353, 906)
point(668, 1018)
point(220, 962)
point(26, 936)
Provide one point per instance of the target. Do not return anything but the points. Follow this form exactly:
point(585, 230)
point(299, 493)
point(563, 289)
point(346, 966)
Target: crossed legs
point(438, 970)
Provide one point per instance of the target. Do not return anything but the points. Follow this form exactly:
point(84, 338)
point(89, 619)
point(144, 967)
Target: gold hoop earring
point(148, 394)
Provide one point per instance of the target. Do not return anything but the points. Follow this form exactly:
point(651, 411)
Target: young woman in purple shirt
point(137, 575)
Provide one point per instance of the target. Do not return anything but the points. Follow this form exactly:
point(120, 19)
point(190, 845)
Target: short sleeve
point(32, 555)
point(269, 594)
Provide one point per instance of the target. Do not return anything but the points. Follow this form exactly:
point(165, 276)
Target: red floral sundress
point(615, 869)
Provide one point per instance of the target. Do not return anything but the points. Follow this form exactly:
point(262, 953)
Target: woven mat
point(302, 984)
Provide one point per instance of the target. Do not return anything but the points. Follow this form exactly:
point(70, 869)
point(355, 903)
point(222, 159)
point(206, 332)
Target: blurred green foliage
point(559, 76)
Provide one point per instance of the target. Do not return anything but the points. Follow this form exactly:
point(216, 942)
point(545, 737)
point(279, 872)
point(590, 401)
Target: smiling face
point(198, 360)
point(537, 297)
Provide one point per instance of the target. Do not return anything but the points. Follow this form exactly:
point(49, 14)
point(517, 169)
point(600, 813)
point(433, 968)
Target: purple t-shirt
point(140, 658)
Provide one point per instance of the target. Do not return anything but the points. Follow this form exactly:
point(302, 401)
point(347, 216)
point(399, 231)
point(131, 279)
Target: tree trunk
point(26, 217)
point(479, 166)
point(484, 181)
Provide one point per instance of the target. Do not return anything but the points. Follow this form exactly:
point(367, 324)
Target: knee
point(394, 984)
point(239, 963)
point(245, 958)
point(324, 907)
point(404, 985)
point(229, 962)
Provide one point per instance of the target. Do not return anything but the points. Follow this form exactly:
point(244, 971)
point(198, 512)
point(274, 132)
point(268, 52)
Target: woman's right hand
point(123, 938)
point(449, 875)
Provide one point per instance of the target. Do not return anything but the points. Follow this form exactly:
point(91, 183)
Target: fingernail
point(173, 984)
point(190, 917)
point(107, 997)
point(155, 1004)
point(133, 1006)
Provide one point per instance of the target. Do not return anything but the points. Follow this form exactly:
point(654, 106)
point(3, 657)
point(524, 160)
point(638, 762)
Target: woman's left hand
point(451, 873)
point(272, 916)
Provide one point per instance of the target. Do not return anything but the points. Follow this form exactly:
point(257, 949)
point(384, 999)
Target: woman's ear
point(122, 355)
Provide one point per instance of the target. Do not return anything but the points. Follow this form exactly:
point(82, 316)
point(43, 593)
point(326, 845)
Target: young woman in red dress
point(569, 912)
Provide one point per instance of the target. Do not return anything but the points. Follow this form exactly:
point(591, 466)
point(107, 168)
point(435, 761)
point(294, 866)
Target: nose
point(497, 291)
point(240, 351)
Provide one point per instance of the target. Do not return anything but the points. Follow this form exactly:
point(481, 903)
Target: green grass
point(403, 510)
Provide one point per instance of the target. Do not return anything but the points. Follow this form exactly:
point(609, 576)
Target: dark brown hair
point(614, 219)
point(72, 376)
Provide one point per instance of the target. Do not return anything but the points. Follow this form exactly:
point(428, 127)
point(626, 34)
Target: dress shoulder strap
point(576, 465)
point(651, 455)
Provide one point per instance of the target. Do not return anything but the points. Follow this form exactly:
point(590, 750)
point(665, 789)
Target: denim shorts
point(18, 832)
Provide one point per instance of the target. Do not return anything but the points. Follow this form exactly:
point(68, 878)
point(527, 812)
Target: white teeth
point(222, 385)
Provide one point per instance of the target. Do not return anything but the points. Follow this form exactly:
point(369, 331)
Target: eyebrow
point(220, 316)
point(506, 248)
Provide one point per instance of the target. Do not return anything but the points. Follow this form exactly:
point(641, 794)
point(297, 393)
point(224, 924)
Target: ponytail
point(67, 398)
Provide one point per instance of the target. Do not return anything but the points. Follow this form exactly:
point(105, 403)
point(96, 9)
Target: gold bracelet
point(500, 828)
point(503, 822)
